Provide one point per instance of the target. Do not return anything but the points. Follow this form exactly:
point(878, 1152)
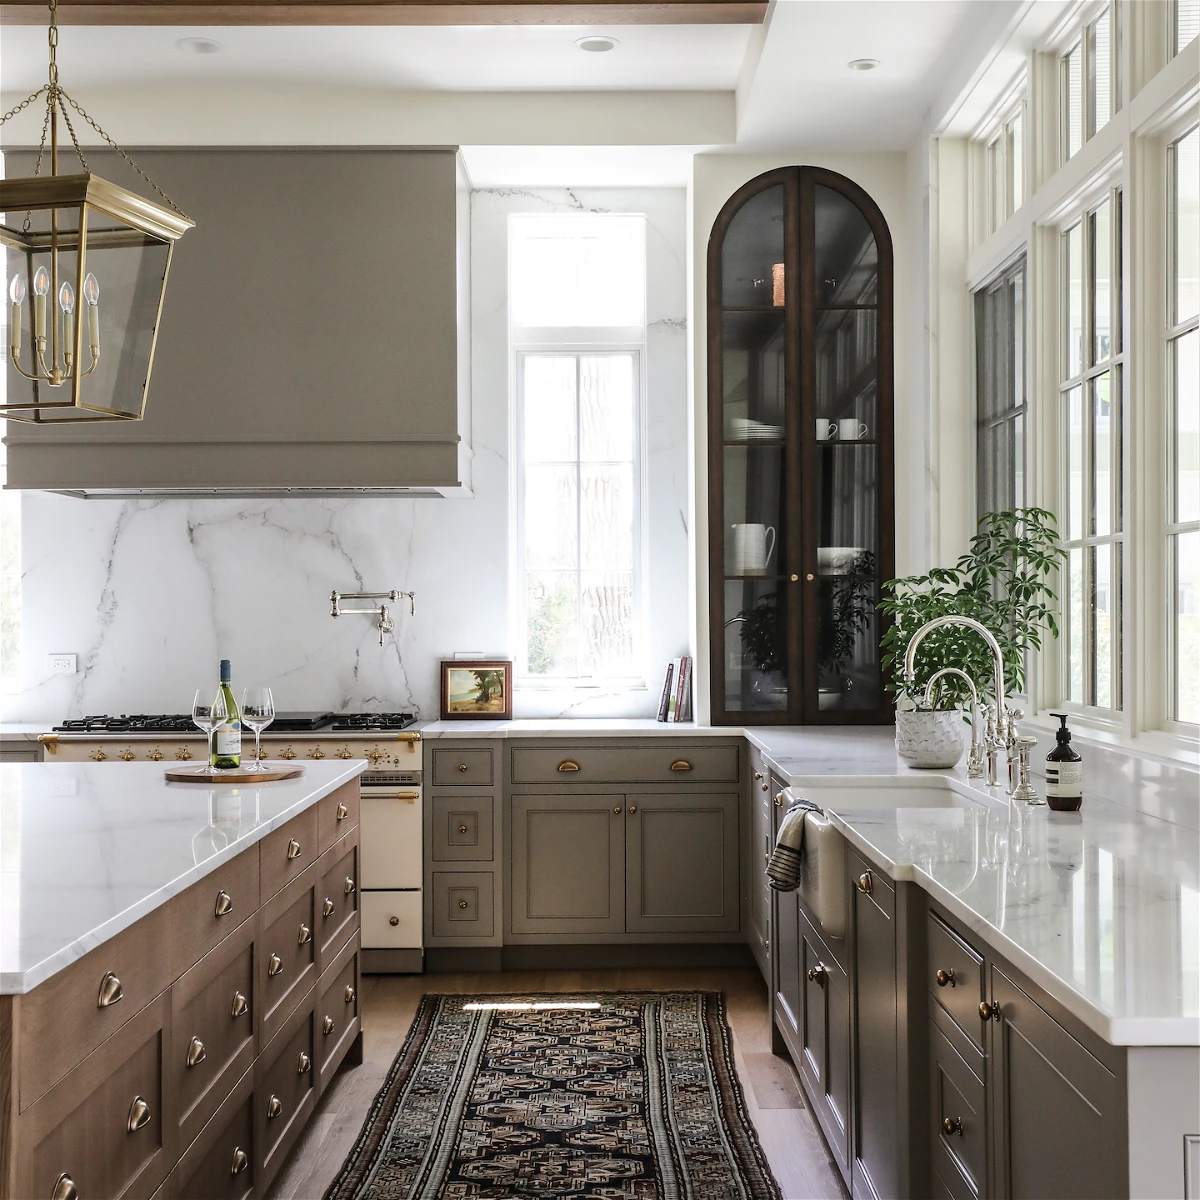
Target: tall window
point(1088, 82)
point(1006, 168)
point(1090, 395)
point(1185, 23)
point(577, 313)
point(1000, 391)
point(1183, 375)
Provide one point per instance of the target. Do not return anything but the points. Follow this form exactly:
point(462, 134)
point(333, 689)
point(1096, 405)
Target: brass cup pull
point(349, 888)
point(224, 904)
point(327, 908)
point(110, 991)
point(139, 1115)
point(241, 1160)
point(988, 1012)
point(289, 754)
point(617, 811)
point(350, 993)
point(317, 753)
point(327, 1026)
point(462, 904)
point(567, 765)
point(344, 752)
point(865, 883)
point(293, 850)
point(342, 812)
point(393, 920)
point(951, 1126)
point(462, 829)
point(240, 1005)
point(817, 974)
point(463, 768)
point(274, 1108)
point(98, 756)
point(303, 1064)
point(64, 1188)
point(778, 799)
point(183, 754)
point(305, 935)
point(945, 977)
point(196, 1052)
point(681, 764)
point(155, 755)
point(127, 756)
point(274, 965)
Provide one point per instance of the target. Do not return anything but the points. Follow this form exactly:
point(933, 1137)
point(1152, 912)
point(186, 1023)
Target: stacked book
point(676, 702)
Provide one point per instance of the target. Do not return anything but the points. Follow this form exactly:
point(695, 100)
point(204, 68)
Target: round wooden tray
point(279, 770)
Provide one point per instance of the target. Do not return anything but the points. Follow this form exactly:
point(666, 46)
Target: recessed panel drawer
point(391, 920)
point(572, 763)
point(286, 852)
point(213, 908)
point(336, 1013)
point(221, 1163)
point(337, 900)
point(956, 979)
point(959, 1131)
point(453, 767)
point(337, 814)
point(463, 904)
point(286, 951)
point(286, 1088)
point(462, 828)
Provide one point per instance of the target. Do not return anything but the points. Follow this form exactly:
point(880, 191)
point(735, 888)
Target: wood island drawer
point(452, 767)
point(213, 908)
point(212, 1030)
point(958, 1120)
point(286, 1089)
point(463, 904)
point(960, 988)
point(462, 828)
point(221, 1163)
point(286, 852)
point(286, 952)
point(337, 900)
point(337, 814)
point(336, 1013)
point(67, 1017)
point(626, 764)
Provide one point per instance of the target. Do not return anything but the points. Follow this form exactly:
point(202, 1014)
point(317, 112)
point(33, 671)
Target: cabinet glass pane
point(755, 646)
point(755, 510)
point(847, 369)
point(848, 643)
point(847, 491)
point(847, 258)
point(752, 376)
point(752, 254)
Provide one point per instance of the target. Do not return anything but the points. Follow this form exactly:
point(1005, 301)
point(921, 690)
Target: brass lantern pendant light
point(85, 271)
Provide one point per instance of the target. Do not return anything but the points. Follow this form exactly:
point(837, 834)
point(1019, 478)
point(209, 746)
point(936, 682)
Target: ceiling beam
point(387, 12)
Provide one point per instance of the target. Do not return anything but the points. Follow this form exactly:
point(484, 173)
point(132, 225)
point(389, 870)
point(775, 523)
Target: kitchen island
point(178, 974)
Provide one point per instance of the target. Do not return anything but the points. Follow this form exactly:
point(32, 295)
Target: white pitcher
point(753, 546)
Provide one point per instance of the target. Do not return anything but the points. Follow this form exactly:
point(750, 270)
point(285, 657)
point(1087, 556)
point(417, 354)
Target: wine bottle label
point(228, 742)
point(1064, 779)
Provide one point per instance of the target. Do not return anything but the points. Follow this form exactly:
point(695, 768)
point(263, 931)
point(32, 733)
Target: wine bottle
point(227, 740)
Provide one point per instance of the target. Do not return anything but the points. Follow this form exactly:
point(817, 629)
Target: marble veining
point(86, 849)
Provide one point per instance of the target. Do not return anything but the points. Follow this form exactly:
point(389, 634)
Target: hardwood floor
point(788, 1133)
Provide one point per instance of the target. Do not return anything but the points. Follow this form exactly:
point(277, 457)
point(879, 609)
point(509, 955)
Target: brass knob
point(462, 829)
point(303, 1063)
point(305, 935)
point(241, 1160)
point(568, 765)
point(681, 764)
point(327, 1026)
point(293, 850)
point(810, 577)
point(274, 1107)
point(817, 974)
point(765, 788)
point(139, 1115)
point(64, 1188)
point(795, 578)
point(632, 809)
point(988, 1012)
point(376, 756)
point(945, 977)
point(342, 812)
point(462, 904)
point(289, 754)
point(617, 811)
point(316, 753)
point(98, 756)
point(344, 752)
point(865, 883)
point(196, 1052)
point(778, 799)
point(393, 920)
point(127, 756)
point(110, 990)
point(155, 755)
point(462, 768)
point(766, 857)
point(349, 888)
point(349, 993)
point(240, 1005)
point(274, 965)
point(951, 1126)
point(327, 908)
point(757, 774)
point(224, 904)
point(183, 754)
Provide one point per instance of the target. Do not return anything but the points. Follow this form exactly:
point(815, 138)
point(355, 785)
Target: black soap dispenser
point(1064, 772)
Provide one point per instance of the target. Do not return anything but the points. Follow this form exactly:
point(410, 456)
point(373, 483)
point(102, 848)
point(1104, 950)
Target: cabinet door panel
point(787, 964)
point(568, 864)
point(682, 864)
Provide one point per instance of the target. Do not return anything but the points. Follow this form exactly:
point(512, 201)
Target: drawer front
point(627, 764)
point(391, 920)
point(463, 904)
point(83, 1127)
point(287, 852)
point(957, 1097)
point(337, 814)
point(337, 898)
point(463, 828)
point(337, 1013)
point(453, 767)
point(221, 1164)
point(63, 1020)
point(286, 1088)
point(286, 953)
point(963, 989)
point(391, 837)
point(212, 1030)
point(213, 908)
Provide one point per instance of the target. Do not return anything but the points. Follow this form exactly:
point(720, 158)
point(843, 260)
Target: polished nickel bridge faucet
point(386, 621)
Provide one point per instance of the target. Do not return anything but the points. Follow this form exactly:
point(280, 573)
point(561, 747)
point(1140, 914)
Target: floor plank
point(774, 1100)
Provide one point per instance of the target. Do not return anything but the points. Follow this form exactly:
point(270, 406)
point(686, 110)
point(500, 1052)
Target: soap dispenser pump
point(1064, 772)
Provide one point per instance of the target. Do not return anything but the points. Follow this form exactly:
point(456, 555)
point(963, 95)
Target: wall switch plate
point(62, 664)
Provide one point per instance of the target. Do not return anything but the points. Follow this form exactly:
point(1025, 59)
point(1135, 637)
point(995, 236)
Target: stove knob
point(344, 752)
point(127, 756)
point(376, 756)
point(98, 756)
point(183, 754)
point(316, 753)
point(289, 754)
point(156, 755)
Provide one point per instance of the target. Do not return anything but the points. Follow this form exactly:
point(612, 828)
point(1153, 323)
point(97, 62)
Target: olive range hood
point(314, 338)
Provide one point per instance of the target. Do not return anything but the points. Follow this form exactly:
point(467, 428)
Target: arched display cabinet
point(800, 449)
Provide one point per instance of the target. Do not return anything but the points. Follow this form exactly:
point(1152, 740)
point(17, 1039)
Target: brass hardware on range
point(274, 965)
point(110, 990)
point(410, 797)
point(349, 993)
point(376, 756)
point(617, 811)
point(327, 1026)
point(241, 1160)
point(632, 809)
point(183, 754)
point(127, 756)
point(567, 765)
point(757, 774)
point(274, 1108)
point(342, 812)
point(349, 888)
point(305, 935)
point(946, 977)
point(817, 974)
point(778, 799)
point(196, 1052)
point(224, 904)
point(462, 768)
point(393, 920)
point(462, 829)
point(303, 1063)
point(681, 764)
point(462, 904)
point(344, 752)
point(64, 1188)
point(293, 850)
point(411, 738)
point(155, 755)
point(240, 1005)
point(327, 908)
point(988, 1012)
point(866, 884)
point(139, 1115)
point(951, 1126)
point(288, 753)
point(317, 752)
point(50, 741)
point(98, 756)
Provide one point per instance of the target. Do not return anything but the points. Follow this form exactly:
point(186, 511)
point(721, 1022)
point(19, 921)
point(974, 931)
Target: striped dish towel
point(783, 869)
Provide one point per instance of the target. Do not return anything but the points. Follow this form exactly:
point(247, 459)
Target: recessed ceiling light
point(863, 64)
point(597, 43)
point(198, 45)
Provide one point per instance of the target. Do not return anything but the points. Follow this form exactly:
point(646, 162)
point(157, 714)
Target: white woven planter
point(929, 739)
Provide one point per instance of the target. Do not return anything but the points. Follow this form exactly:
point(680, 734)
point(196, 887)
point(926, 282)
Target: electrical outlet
point(62, 664)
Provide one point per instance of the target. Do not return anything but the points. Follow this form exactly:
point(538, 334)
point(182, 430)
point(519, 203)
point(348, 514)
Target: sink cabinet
point(762, 840)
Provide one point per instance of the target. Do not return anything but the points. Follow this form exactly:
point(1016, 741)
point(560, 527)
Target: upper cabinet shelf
point(801, 511)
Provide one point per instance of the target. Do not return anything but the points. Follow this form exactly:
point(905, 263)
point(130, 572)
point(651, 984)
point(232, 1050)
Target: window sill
point(1175, 748)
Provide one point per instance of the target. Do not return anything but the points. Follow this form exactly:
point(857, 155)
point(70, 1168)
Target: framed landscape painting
point(477, 689)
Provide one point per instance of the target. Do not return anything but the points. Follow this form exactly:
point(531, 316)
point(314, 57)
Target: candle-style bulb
point(41, 281)
point(91, 289)
point(16, 289)
point(66, 298)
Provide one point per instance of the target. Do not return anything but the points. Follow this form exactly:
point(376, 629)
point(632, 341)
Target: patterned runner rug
point(623, 1096)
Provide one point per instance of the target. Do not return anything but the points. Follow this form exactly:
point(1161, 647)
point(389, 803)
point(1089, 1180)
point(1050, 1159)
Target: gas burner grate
point(137, 723)
point(366, 722)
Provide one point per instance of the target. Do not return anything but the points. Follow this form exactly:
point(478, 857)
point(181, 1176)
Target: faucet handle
point(1024, 790)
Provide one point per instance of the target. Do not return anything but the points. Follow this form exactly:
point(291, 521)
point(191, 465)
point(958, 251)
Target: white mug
point(850, 429)
point(825, 429)
point(753, 546)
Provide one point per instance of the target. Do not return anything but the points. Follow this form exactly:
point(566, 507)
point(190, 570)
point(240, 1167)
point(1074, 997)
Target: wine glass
point(206, 716)
point(258, 711)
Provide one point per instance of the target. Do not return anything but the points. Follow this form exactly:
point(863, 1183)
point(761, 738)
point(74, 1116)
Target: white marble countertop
point(589, 727)
point(86, 850)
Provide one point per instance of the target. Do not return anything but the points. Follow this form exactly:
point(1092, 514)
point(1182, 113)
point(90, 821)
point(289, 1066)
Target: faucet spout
point(910, 655)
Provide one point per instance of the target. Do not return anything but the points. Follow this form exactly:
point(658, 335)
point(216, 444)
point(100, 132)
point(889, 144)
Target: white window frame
point(1080, 34)
point(994, 139)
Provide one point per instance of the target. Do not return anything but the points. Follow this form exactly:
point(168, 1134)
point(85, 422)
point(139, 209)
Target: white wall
point(151, 593)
